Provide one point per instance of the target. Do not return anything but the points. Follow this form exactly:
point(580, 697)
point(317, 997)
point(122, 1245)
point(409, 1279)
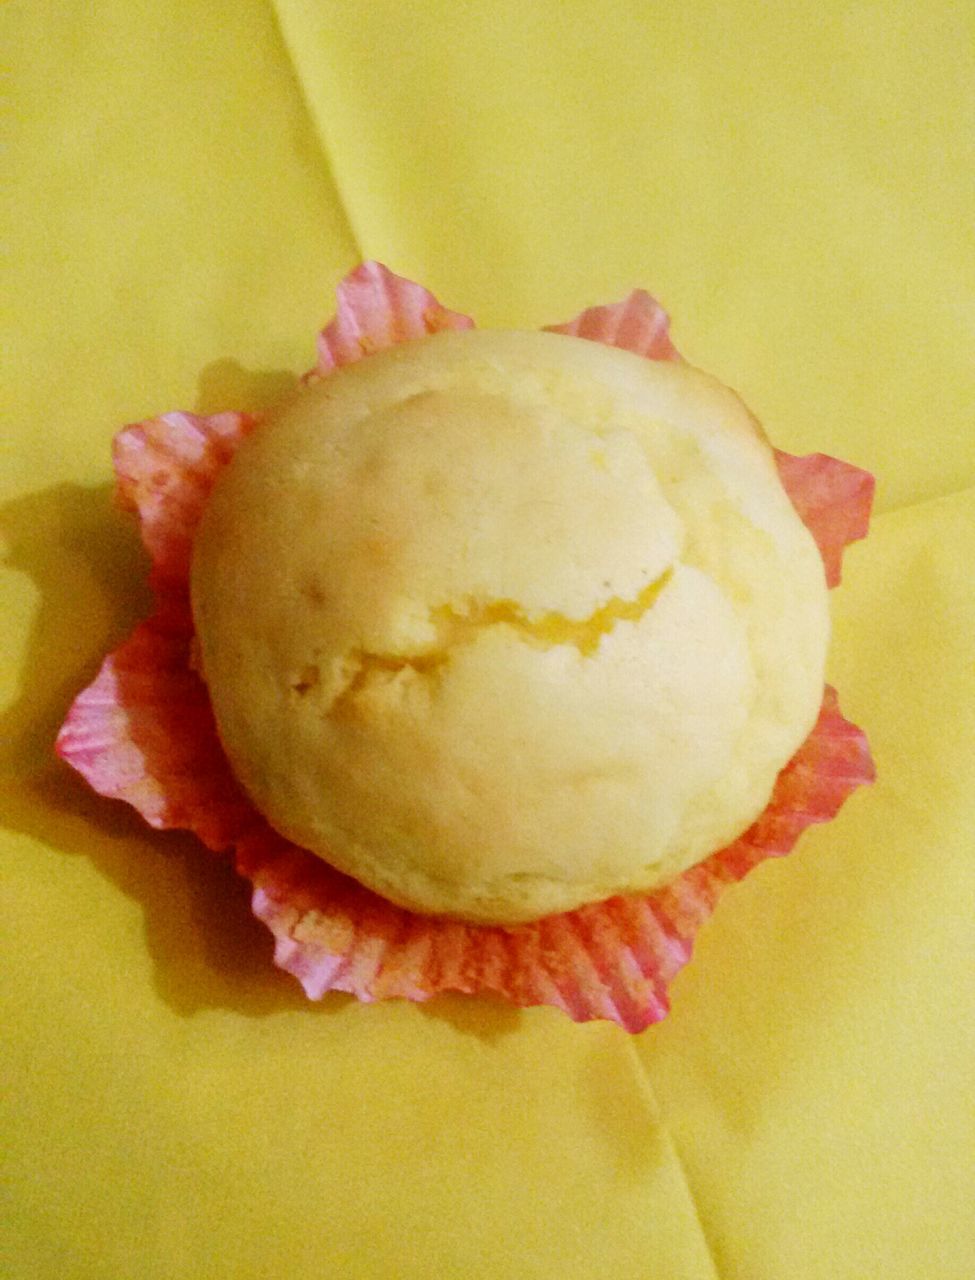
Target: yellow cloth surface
point(186, 183)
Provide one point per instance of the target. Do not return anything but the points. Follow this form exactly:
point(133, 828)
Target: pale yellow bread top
point(503, 623)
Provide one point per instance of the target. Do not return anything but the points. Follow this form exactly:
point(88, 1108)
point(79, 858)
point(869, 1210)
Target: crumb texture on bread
point(502, 623)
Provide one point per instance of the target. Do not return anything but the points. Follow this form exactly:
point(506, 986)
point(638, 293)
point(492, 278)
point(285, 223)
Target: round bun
point(504, 623)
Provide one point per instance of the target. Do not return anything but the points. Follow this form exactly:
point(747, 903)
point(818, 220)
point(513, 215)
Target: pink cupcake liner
point(144, 732)
point(376, 310)
point(638, 323)
point(833, 500)
point(165, 468)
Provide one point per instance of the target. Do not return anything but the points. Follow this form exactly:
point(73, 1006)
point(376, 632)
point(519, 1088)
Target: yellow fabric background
point(186, 183)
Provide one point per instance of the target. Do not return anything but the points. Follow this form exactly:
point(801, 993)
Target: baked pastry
point(503, 623)
point(527, 660)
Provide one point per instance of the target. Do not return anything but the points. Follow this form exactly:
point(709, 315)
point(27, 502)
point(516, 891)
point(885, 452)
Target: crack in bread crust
point(457, 628)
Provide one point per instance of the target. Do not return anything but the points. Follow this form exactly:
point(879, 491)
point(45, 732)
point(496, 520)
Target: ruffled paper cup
point(144, 732)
